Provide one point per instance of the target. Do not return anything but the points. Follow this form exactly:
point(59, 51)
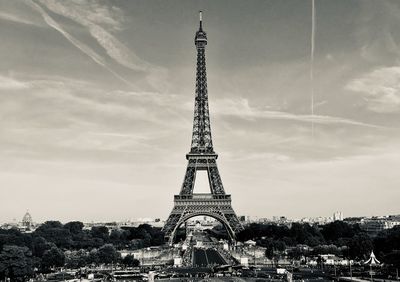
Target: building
point(353, 220)
point(316, 220)
point(375, 225)
point(26, 225)
point(27, 220)
point(338, 216)
point(330, 259)
point(200, 223)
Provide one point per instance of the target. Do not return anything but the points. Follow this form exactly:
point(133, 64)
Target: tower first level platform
point(215, 206)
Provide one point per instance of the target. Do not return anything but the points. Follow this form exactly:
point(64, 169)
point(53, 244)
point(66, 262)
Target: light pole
point(334, 266)
point(351, 273)
point(254, 253)
point(370, 271)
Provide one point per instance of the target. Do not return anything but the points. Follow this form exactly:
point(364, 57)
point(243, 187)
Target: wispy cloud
point(380, 88)
point(264, 156)
point(241, 108)
point(15, 18)
point(7, 83)
point(77, 43)
point(58, 117)
point(78, 11)
point(377, 33)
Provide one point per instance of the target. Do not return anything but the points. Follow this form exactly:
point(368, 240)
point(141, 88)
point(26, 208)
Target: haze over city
point(96, 106)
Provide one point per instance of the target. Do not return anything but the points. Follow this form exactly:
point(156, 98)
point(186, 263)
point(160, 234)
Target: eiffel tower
point(215, 204)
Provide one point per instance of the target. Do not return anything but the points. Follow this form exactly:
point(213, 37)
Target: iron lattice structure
point(215, 204)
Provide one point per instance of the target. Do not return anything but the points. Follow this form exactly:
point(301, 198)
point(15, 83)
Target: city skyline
point(97, 106)
point(245, 219)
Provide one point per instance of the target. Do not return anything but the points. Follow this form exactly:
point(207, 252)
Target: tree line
point(339, 238)
point(54, 244)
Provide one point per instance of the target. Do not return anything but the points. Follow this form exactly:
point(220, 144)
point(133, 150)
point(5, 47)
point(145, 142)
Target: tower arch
point(217, 216)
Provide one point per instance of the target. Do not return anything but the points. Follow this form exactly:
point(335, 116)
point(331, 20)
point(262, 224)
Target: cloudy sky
point(96, 106)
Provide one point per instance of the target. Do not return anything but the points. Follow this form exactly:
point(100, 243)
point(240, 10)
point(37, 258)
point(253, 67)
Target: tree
point(15, 263)
point(76, 259)
point(297, 253)
point(388, 240)
point(150, 236)
point(269, 253)
point(108, 254)
point(14, 237)
point(130, 261)
point(53, 258)
point(40, 245)
point(339, 229)
point(50, 224)
point(298, 234)
point(306, 234)
point(54, 232)
point(119, 237)
point(327, 249)
point(387, 246)
point(393, 258)
point(75, 227)
point(93, 257)
point(360, 246)
point(100, 232)
point(116, 235)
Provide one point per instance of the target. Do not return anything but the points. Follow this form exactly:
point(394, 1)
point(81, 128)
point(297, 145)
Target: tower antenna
point(201, 19)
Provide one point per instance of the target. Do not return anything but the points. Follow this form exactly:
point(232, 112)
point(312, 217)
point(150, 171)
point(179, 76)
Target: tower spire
point(201, 20)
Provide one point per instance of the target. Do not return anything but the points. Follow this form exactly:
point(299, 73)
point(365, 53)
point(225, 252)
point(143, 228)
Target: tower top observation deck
point(200, 39)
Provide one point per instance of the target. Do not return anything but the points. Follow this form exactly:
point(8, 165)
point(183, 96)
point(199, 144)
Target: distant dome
point(27, 220)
